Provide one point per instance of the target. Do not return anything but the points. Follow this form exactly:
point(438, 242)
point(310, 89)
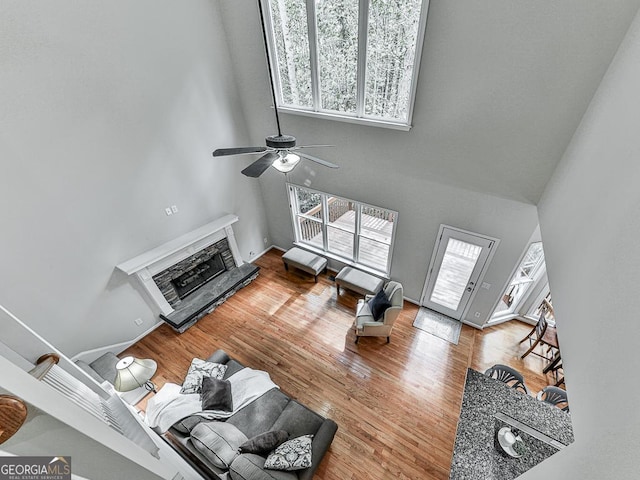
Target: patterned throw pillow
point(294, 454)
point(197, 371)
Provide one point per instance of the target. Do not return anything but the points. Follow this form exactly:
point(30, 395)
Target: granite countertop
point(488, 405)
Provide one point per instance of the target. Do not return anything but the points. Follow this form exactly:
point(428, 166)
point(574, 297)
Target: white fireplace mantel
point(146, 265)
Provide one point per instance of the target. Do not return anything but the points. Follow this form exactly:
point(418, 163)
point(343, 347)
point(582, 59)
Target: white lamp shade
point(132, 373)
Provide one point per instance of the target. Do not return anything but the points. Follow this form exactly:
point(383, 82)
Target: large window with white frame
point(349, 59)
point(350, 231)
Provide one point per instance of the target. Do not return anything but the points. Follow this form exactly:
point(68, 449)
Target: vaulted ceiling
point(503, 85)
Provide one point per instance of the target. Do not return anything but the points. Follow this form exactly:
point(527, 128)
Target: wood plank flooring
point(396, 405)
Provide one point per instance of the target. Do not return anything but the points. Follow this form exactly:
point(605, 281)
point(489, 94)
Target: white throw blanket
point(169, 405)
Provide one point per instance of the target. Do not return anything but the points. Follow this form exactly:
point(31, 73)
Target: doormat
point(439, 325)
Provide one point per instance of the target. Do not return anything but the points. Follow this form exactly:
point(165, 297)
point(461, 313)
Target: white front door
point(459, 260)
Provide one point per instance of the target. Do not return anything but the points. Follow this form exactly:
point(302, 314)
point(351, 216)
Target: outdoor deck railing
point(337, 207)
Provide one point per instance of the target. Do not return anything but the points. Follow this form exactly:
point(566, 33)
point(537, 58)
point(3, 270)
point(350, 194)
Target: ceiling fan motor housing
point(280, 141)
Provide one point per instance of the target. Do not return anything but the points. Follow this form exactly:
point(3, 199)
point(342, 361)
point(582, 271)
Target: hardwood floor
point(396, 405)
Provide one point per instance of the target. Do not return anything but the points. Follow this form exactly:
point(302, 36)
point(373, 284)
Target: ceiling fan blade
point(310, 146)
point(318, 160)
point(221, 152)
point(258, 167)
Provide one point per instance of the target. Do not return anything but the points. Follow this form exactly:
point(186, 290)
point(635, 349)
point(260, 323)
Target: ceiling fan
point(279, 148)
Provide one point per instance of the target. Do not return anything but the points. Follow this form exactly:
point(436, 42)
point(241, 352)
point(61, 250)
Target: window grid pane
point(309, 203)
point(337, 30)
point(377, 224)
point(342, 213)
point(373, 254)
point(311, 232)
point(391, 48)
point(291, 42)
point(340, 242)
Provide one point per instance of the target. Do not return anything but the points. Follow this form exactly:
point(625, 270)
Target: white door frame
point(482, 272)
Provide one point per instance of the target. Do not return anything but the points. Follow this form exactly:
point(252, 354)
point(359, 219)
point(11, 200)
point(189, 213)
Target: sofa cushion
point(294, 454)
point(249, 466)
point(378, 305)
point(216, 395)
point(259, 415)
point(218, 442)
point(265, 442)
point(298, 420)
point(197, 371)
point(186, 424)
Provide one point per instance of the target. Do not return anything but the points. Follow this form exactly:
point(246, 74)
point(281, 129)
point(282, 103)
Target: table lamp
point(132, 372)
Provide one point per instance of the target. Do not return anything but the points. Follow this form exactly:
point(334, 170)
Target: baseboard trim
point(262, 253)
point(89, 356)
point(474, 325)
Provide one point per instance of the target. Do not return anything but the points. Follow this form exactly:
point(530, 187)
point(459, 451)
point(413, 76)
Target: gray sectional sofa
point(272, 411)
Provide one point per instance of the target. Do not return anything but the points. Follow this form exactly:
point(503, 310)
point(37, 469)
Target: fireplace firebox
point(197, 276)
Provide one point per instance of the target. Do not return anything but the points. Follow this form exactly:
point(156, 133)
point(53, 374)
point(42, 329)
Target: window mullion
point(356, 236)
point(325, 221)
point(293, 207)
point(313, 53)
point(363, 30)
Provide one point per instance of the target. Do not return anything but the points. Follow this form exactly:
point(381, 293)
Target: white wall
point(422, 206)
point(110, 112)
point(590, 222)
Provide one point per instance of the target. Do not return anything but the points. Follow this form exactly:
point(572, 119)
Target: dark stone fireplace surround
point(164, 280)
point(203, 300)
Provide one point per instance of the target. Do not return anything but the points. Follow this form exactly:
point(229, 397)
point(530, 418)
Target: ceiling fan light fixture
point(286, 163)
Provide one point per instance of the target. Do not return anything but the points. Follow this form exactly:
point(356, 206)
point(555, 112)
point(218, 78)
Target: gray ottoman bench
point(305, 261)
point(358, 281)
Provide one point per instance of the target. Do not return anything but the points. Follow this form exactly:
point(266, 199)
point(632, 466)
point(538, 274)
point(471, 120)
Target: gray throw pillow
point(216, 395)
point(197, 371)
point(293, 454)
point(265, 442)
point(218, 442)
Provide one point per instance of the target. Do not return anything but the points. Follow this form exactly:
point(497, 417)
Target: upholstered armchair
point(366, 326)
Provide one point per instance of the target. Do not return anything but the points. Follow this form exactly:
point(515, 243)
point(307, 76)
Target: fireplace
point(181, 279)
point(190, 276)
point(193, 279)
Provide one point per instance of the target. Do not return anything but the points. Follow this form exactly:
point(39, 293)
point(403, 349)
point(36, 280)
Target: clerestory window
point(349, 59)
point(350, 231)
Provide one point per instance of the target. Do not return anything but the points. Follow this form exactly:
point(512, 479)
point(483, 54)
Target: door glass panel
point(457, 266)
